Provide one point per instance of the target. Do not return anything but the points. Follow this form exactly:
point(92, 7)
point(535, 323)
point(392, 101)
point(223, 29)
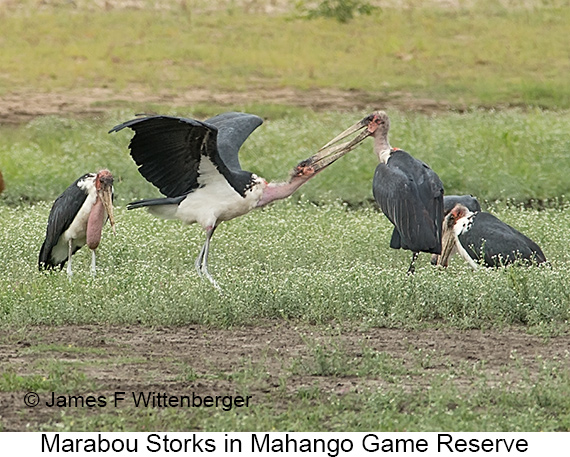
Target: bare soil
point(142, 359)
point(21, 107)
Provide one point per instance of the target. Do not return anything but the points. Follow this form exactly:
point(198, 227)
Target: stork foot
point(203, 272)
point(208, 276)
point(202, 269)
point(198, 265)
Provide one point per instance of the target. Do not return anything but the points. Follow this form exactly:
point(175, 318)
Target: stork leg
point(69, 255)
point(202, 260)
point(93, 269)
point(412, 268)
point(203, 252)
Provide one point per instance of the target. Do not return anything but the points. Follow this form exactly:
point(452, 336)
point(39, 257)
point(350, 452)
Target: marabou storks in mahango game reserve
point(408, 192)
point(480, 237)
point(195, 165)
point(77, 218)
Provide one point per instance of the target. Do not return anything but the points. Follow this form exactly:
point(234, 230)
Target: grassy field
point(318, 319)
point(501, 158)
point(478, 53)
point(509, 156)
point(292, 261)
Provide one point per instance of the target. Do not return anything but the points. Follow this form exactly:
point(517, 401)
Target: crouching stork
point(77, 218)
point(480, 237)
point(195, 165)
point(449, 202)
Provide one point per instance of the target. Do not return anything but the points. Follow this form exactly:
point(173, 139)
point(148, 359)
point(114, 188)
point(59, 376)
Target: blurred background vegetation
point(479, 52)
point(477, 89)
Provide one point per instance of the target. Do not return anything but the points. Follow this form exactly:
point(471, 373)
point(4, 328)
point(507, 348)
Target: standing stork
point(195, 165)
point(481, 237)
point(77, 218)
point(409, 192)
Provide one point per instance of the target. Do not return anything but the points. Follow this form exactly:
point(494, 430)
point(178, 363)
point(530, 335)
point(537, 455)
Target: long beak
point(331, 151)
point(349, 131)
point(106, 194)
point(448, 240)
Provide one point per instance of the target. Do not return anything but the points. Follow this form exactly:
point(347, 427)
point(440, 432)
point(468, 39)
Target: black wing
point(410, 194)
point(233, 129)
point(168, 151)
point(469, 201)
point(62, 213)
point(498, 242)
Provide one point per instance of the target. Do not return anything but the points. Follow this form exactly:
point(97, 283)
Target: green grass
point(478, 54)
point(394, 392)
point(57, 376)
point(291, 261)
point(313, 259)
point(509, 156)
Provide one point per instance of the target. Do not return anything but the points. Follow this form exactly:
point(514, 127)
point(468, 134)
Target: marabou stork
point(481, 237)
point(449, 202)
point(195, 165)
point(77, 218)
point(409, 192)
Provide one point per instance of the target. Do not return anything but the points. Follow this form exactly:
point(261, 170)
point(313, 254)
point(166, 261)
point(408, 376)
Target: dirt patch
point(21, 107)
point(141, 359)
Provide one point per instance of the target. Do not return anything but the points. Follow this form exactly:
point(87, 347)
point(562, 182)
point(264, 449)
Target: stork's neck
point(382, 148)
point(280, 190)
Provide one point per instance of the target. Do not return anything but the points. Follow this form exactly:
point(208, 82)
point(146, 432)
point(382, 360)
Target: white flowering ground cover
point(292, 261)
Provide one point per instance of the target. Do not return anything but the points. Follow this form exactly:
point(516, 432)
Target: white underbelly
point(76, 232)
point(78, 228)
point(211, 204)
point(214, 201)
